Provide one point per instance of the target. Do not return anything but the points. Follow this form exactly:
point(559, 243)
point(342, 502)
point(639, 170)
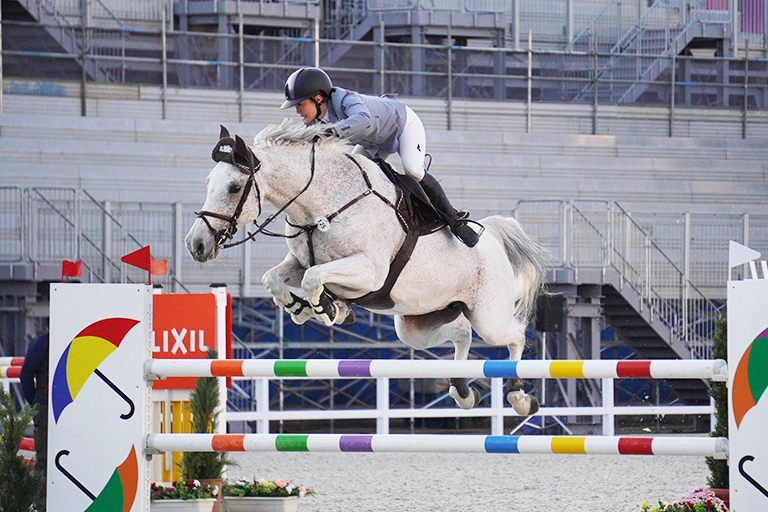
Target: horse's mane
point(289, 133)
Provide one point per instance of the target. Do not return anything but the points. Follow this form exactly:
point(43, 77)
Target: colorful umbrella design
point(119, 493)
point(751, 377)
point(82, 357)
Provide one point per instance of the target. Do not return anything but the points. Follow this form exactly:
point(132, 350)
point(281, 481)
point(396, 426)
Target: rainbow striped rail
point(715, 369)
point(592, 445)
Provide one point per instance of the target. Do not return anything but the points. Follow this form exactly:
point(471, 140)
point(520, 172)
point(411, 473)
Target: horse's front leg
point(357, 273)
point(278, 280)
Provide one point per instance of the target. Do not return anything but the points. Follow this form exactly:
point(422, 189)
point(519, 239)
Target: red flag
point(71, 268)
point(138, 258)
point(158, 267)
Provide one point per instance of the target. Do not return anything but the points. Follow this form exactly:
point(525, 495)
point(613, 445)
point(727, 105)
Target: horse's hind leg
point(513, 389)
point(425, 331)
point(494, 326)
point(465, 396)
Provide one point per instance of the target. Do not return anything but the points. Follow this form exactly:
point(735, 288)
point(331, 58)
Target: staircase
point(352, 23)
point(646, 338)
point(646, 51)
point(646, 298)
point(69, 37)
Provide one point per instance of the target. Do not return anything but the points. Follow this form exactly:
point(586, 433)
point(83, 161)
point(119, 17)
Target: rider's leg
point(413, 144)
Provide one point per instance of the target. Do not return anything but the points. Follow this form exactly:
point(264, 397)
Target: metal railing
point(50, 224)
point(602, 235)
point(47, 225)
point(437, 408)
point(244, 62)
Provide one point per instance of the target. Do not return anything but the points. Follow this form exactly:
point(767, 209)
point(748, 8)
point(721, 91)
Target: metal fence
point(247, 62)
point(50, 224)
point(677, 266)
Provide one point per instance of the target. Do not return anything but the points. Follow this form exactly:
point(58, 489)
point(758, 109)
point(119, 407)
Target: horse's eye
point(235, 188)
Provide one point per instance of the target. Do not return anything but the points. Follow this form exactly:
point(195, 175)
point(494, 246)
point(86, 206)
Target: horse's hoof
point(533, 407)
point(350, 318)
point(345, 315)
point(476, 394)
point(524, 405)
point(467, 402)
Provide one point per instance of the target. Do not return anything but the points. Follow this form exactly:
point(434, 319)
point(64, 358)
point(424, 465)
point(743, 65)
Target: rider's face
point(308, 111)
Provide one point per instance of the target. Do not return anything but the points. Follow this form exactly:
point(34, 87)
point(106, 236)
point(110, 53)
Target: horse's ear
point(244, 153)
point(241, 148)
point(223, 133)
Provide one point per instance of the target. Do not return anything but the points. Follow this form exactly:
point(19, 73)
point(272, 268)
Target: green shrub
point(203, 402)
point(20, 485)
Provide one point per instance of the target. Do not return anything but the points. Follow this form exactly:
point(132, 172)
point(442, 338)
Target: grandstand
point(630, 137)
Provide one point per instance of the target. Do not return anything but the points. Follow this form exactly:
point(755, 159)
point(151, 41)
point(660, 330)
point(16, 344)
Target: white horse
point(343, 233)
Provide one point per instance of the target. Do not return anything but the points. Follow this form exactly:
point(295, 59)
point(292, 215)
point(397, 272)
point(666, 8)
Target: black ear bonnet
point(233, 151)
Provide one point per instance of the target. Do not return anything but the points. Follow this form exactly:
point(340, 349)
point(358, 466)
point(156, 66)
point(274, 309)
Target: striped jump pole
point(591, 445)
point(11, 361)
point(10, 372)
point(715, 369)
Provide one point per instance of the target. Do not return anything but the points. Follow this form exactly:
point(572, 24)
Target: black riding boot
point(457, 223)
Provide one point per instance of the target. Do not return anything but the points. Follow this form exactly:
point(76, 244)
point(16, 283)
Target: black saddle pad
point(426, 217)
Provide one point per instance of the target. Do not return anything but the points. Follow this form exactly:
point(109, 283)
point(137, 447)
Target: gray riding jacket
point(373, 122)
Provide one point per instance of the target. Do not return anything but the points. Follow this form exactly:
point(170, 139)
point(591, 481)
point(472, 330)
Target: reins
point(323, 223)
point(261, 228)
point(222, 236)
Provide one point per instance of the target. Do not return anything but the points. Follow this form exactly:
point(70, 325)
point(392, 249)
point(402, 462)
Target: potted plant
point(718, 480)
point(207, 467)
point(260, 495)
point(20, 485)
point(699, 501)
point(183, 495)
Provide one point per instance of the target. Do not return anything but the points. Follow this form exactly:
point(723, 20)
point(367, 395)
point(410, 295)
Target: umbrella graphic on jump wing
point(81, 359)
point(119, 493)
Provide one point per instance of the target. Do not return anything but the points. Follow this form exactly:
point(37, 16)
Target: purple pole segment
point(354, 368)
point(356, 443)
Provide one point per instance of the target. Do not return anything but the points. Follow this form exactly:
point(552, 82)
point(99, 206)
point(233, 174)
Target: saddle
point(418, 217)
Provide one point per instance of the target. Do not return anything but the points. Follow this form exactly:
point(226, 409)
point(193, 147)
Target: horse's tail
point(526, 257)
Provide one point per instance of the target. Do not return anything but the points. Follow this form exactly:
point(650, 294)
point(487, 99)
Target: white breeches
point(413, 146)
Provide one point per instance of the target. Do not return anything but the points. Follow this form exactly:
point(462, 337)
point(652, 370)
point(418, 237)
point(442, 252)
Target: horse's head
point(233, 198)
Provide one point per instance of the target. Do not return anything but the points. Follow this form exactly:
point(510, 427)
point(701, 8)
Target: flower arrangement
point(183, 490)
point(697, 501)
point(262, 487)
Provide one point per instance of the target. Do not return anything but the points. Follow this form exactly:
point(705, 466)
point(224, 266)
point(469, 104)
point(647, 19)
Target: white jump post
point(748, 378)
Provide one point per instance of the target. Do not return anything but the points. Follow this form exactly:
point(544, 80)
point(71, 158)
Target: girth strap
point(380, 299)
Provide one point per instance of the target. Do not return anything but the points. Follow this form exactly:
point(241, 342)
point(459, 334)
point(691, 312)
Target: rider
point(378, 125)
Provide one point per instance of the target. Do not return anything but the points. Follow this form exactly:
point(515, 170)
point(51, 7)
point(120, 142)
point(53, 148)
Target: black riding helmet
point(305, 83)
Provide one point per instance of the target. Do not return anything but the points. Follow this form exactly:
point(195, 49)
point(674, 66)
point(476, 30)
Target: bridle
point(238, 154)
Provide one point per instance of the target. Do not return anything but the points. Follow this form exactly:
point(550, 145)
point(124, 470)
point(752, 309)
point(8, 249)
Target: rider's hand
point(330, 132)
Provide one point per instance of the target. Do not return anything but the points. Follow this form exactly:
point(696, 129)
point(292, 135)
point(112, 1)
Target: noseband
point(225, 152)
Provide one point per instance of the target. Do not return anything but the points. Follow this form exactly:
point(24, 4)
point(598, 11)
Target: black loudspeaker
point(550, 313)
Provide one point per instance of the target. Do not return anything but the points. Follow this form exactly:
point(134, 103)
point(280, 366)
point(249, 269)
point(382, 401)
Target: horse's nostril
point(200, 249)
